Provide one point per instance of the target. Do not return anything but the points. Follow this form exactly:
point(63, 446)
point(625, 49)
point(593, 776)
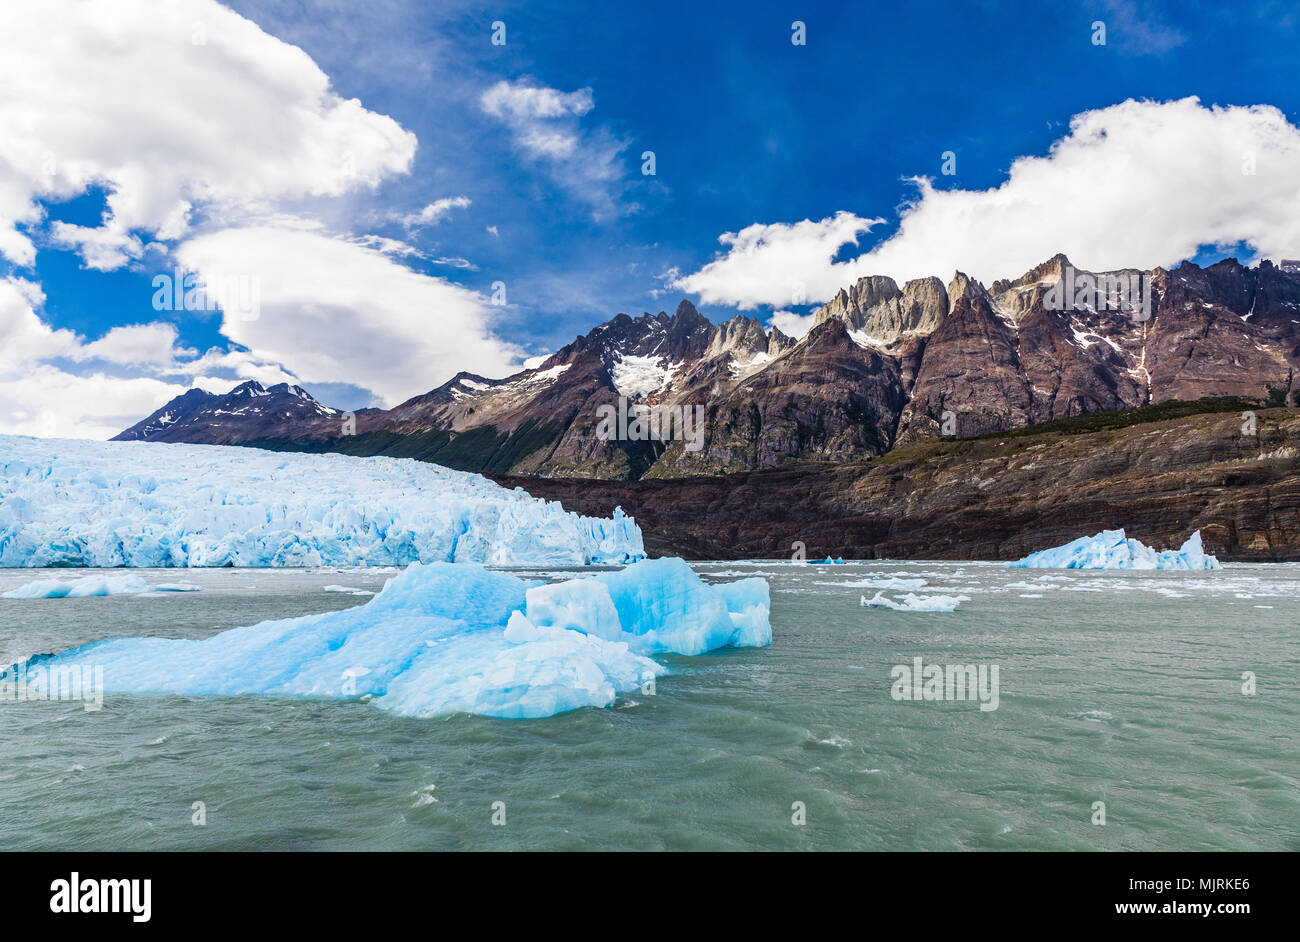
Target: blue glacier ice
point(1111, 549)
point(146, 505)
point(443, 638)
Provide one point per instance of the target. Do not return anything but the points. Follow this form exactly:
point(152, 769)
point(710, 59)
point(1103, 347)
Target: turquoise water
point(1123, 688)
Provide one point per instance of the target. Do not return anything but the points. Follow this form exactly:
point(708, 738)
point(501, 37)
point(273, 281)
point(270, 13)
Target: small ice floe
point(916, 603)
point(85, 587)
point(175, 587)
point(347, 590)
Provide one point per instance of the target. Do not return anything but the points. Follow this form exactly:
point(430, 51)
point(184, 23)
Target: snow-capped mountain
point(249, 411)
point(883, 365)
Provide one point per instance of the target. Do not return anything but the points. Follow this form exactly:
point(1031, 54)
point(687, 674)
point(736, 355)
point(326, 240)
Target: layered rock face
point(883, 366)
point(989, 498)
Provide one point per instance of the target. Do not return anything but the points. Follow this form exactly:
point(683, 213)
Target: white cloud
point(792, 324)
point(1133, 32)
point(40, 398)
point(332, 308)
point(172, 108)
point(52, 403)
point(208, 136)
point(137, 345)
point(435, 212)
point(1135, 184)
point(546, 126)
point(24, 337)
point(520, 101)
point(778, 264)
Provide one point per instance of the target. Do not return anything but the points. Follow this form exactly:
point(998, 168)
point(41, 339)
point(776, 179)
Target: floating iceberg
point(79, 588)
point(916, 603)
point(444, 638)
point(1111, 549)
point(347, 590)
point(145, 505)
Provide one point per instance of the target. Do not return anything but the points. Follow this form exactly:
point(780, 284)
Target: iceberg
point(90, 586)
point(916, 603)
point(1112, 549)
point(456, 638)
point(148, 505)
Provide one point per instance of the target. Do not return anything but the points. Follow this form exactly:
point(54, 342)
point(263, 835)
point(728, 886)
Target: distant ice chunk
point(86, 587)
point(146, 505)
point(916, 603)
point(443, 638)
point(1112, 549)
point(347, 590)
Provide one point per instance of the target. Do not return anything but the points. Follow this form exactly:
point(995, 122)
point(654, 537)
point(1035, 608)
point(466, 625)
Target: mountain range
point(882, 367)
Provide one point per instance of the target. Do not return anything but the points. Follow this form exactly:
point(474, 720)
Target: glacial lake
point(1119, 688)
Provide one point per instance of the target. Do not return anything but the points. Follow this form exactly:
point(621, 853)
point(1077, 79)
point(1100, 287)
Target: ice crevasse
point(443, 638)
point(144, 505)
point(1113, 549)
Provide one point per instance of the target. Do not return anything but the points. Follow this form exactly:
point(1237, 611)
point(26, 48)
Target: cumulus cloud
point(331, 308)
point(24, 337)
point(1138, 184)
point(546, 126)
point(137, 345)
point(38, 397)
point(778, 264)
point(792, 324)
point(172, 108)
point(208, 137)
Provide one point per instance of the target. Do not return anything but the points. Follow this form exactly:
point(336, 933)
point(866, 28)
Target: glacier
point(455, 638)
point(143, 505)
point(1112, 549)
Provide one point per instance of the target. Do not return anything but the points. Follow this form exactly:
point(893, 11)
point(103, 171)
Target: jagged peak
point(963, 286)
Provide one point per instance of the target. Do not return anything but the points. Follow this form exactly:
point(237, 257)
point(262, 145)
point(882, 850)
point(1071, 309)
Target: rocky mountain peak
point(742, 336)
point(880, 312)
point(963, 286)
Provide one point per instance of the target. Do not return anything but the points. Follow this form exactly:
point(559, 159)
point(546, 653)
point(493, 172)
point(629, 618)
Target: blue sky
point(537, 183)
